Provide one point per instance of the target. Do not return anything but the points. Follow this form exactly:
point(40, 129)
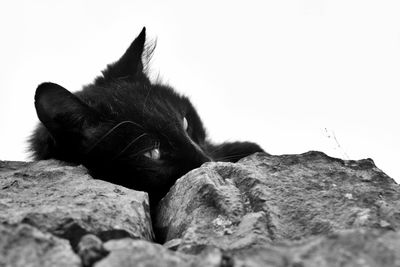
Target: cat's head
point(124, 128)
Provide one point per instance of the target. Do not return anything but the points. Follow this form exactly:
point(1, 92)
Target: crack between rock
point(226, 260)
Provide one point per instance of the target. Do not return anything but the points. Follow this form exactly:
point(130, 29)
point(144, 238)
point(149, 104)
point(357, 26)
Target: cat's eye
point(153, 154)
point(185, 124)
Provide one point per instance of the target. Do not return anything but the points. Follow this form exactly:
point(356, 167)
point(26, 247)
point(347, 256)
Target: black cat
point(126, 129)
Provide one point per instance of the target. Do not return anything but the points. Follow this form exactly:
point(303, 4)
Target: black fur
point(126, 129)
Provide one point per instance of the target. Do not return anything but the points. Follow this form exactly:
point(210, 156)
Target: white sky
point(289, 75)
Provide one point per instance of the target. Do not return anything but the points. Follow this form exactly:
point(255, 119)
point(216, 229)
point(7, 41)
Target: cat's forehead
point(144, 103)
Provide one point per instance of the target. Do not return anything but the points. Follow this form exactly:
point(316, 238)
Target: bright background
point(292, 75)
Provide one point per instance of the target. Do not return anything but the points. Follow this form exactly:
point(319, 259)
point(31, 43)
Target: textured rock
point(23, 245)
point(362, 247)
point(124, 252)
point(346, 248)
point(91, 249)
point(68, 203)
point(289, 210)
point(264, 200)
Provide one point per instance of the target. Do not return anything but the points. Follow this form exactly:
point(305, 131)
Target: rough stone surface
point(361, 247)
point(125, 252)
point(264, 200)
point(91, 249)
point(67, 202)
point(23, 245)
point(288, 210)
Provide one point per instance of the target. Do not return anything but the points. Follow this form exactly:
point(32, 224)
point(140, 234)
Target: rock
point(67, 202)
point(357, 247)
point(360, 247)
point(91, 249)
point(345, 248)
point(263, 200)
point(125, 252)
point(23, 245)
point(265, 210)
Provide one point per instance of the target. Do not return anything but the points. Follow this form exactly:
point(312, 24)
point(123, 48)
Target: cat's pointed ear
point(61, 111)
point(130, 63)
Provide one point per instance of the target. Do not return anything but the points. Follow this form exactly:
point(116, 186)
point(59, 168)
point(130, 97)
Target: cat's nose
point(201, 156)
point(195, 160)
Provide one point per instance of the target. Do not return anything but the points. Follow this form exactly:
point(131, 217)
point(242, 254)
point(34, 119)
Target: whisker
point(216, 149)
point(231, 157)
point(109, 132)
point(128, 145)
point(139, 152)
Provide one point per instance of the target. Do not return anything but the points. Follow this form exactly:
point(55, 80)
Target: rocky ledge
point(265, 210)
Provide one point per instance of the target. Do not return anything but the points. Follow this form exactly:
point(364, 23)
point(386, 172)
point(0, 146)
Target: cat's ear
point(61, 112)
point(130, 63)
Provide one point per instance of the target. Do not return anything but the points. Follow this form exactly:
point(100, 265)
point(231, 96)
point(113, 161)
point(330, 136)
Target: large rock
point(23, 246)
point(128, 252)
point(67, 202)
point(289, 210)
point(264, 200)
